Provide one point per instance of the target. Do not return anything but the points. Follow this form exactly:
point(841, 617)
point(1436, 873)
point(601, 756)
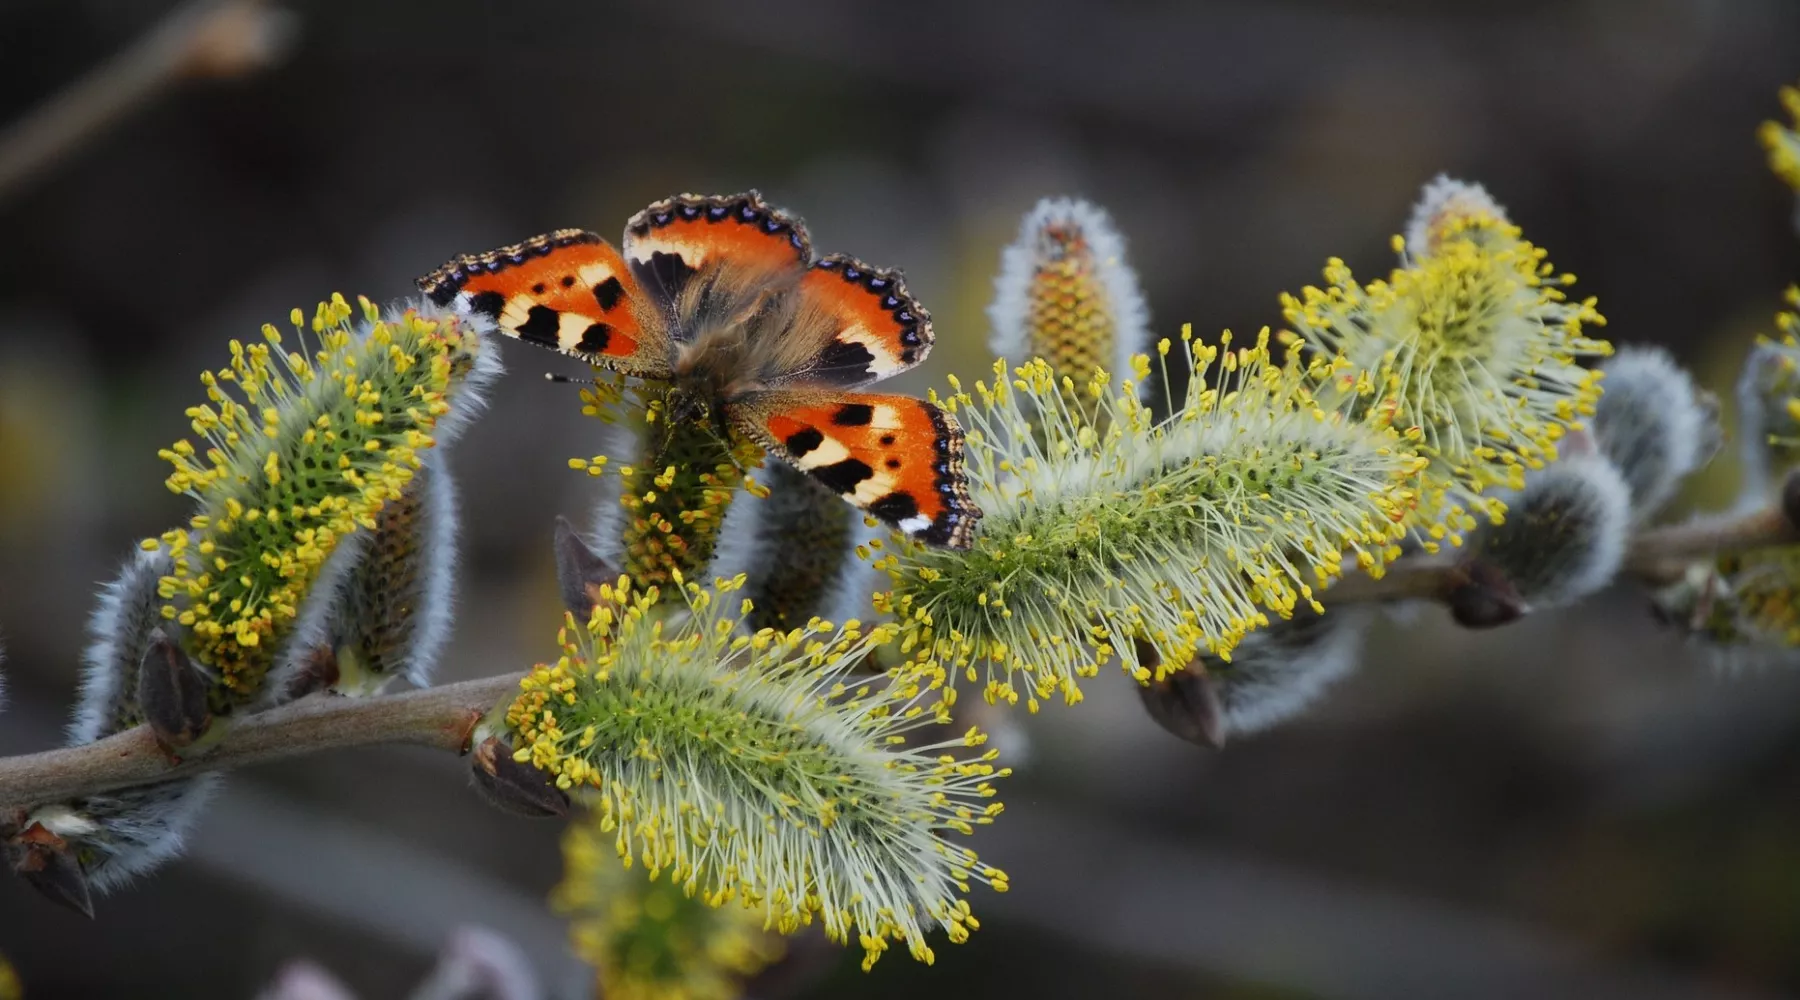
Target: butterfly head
point(690, 405)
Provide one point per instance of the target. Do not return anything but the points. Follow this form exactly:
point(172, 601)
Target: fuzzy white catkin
point(128, 832)
point(127, 612)
point(1277, 672)
point(468, 397)
point(1010, 311)
point(121, 835)
point(404, 568)
point(442, 512)
point(1761, 392)
point(1564, 535)
point(1445, 195)
point(797, 549)
point(1653, 424)
point(342, 607)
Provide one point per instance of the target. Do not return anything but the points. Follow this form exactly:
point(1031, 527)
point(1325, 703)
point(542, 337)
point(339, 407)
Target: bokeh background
point(1576, 806)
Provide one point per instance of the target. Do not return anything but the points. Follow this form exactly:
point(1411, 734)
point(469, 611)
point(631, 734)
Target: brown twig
point(1657, 555)
point(1652, 550)
point(203, 38)
point(442, 717)
point(1416, 577)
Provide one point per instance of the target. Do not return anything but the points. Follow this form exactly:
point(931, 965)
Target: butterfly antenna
point(566, 380)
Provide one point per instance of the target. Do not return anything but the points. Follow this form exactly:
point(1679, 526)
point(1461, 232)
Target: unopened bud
point(796, 548)
point(302, 979)
point(1790, 500)
point(1283, 668)
point(1186, 703)
point(1449, 209)
point(1065, 293)
point(315, 670)
point(1563, 537)
point(580, 571)
point(171, 693)
point(1480, 596)
point(46, 863)
point(515, 787)
point(1654, 425)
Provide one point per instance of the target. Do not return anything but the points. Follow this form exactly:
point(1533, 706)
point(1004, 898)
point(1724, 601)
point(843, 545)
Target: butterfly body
point(721, 298)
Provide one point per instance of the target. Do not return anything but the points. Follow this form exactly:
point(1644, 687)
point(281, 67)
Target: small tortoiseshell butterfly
point(721, 296)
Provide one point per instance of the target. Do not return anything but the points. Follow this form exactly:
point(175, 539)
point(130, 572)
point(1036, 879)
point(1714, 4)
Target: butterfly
point(721, 297)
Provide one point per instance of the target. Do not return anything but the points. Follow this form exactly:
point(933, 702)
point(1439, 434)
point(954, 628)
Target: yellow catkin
point(647, 939)
point(1066, 294)
point(300, 448)
point(1783, 141)
point(758, 770)
point(1187, 532)
point(1473, 345)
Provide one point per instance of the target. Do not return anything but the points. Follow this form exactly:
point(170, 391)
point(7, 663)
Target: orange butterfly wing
point(853, 324)
point(897, 457)
point(741, 245)
point(568, 290)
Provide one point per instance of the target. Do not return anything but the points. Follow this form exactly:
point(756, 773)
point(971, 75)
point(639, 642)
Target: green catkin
point(298, 453)
point(1188, 532)
point(750, 770)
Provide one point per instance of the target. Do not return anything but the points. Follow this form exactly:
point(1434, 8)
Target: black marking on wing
point(895, 507)
point(853, 415)
point(667, 273)
point(843, 477)
point(608, 293)
point(844, 358)
point(488, 304)
point(540, 326)
point(801, 442)
point(595, 338)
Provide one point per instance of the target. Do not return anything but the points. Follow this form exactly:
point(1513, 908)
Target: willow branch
point(218, 38)
point(1417, 577)
point(1655, 550)
point(442, 717)
point(1657, 555)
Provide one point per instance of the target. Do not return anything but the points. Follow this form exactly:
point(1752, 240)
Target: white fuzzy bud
point(1279, 671)
point(1442, 203)
point(117, 835)
point(1564, 535)
point(797, 549)
point(1654, 425)
point(1065, 293)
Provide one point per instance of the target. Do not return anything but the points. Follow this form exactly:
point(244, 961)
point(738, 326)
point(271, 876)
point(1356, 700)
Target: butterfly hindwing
point(897, 457)
point(696, 254)
point(853, 324)
point(567, 290)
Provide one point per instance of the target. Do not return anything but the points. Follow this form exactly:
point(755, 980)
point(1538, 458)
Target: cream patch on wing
point(593, 274)
point(693, 253)
point(830, 451)
point(570, 328)
point(517, 311)
point(875, 487)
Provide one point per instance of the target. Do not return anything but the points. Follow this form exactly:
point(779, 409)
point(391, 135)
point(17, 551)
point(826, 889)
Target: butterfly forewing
point(713, 256)
point(568, 290)
point(852, 325)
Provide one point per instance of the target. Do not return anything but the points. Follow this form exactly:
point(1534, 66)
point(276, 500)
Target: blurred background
point(1575, 806)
